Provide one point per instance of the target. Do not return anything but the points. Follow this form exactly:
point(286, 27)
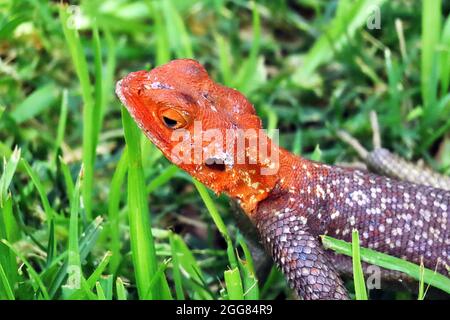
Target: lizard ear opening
point(215, 164)
point(174, 119)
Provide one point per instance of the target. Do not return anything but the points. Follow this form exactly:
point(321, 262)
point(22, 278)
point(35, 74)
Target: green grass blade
point(40, 188)
point(12, 231)
point(74, 270)
point(445, 57)
point(107, 284)
point(421, 294)
point(358, 275)
point(87, 90)
point(86, 244)
point(32, 272)
point(109, 75)
point(317, 154)
point(444, 104)
point(51, 246)
point(6, 287)
point(162, 178)
point(234, 284)
point(156, 278)
point(248, 71)
point(142, 244)
point(176, 30)
point(7, 28)
point(392, 263)
point(70, 186)
point(190, 268)
point(431, 30)
point(394, 81)
point(99, 105)
point(162, 43)
point(64, 108)
point(34, 104)
point(350, 15)
point(224, 60)
point(95, 276)
point(115, 195)
point(120, 290)
point(89, 284)
point(176, 269)
point(86, 291)
point(83, 293)
point(217, 220)
point(100, 292)
point(272, 120)
point(9, 168)
point(297, 144)
point(8, 231)
point(250, 282)
point(247, 254)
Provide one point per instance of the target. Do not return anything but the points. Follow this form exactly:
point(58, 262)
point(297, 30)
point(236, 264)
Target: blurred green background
point(310, 68)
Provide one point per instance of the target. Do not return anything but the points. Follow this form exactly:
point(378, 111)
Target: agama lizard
point(296, 200)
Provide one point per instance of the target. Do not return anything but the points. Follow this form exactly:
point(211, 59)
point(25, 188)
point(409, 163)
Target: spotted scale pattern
point(398, 218)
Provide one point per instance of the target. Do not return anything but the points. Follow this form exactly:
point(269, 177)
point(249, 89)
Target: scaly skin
point(302, 200)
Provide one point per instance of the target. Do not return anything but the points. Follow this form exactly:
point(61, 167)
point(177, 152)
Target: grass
point(132, 225)
point(141, 238)
point(392, 263)
point(358, 275)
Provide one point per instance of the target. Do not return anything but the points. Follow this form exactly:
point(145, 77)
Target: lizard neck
point(251, 185)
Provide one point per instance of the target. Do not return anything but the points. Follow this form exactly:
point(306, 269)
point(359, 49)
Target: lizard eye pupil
point(171, 123)
point(174, 119)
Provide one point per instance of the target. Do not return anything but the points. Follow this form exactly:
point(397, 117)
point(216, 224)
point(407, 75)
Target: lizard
point(290, 200)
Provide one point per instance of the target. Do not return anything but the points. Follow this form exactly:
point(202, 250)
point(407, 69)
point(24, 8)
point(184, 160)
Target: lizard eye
point(174, 119)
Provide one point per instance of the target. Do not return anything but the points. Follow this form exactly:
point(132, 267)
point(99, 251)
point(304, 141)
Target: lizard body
point(300, 200)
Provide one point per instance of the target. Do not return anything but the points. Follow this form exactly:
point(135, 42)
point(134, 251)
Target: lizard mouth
point(119, 92)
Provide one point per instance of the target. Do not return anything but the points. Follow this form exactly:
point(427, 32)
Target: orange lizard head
point(203, 127)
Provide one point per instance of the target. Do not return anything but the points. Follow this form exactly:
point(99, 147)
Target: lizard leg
point(386, 163)
point(390, 164)
point(300, 256)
